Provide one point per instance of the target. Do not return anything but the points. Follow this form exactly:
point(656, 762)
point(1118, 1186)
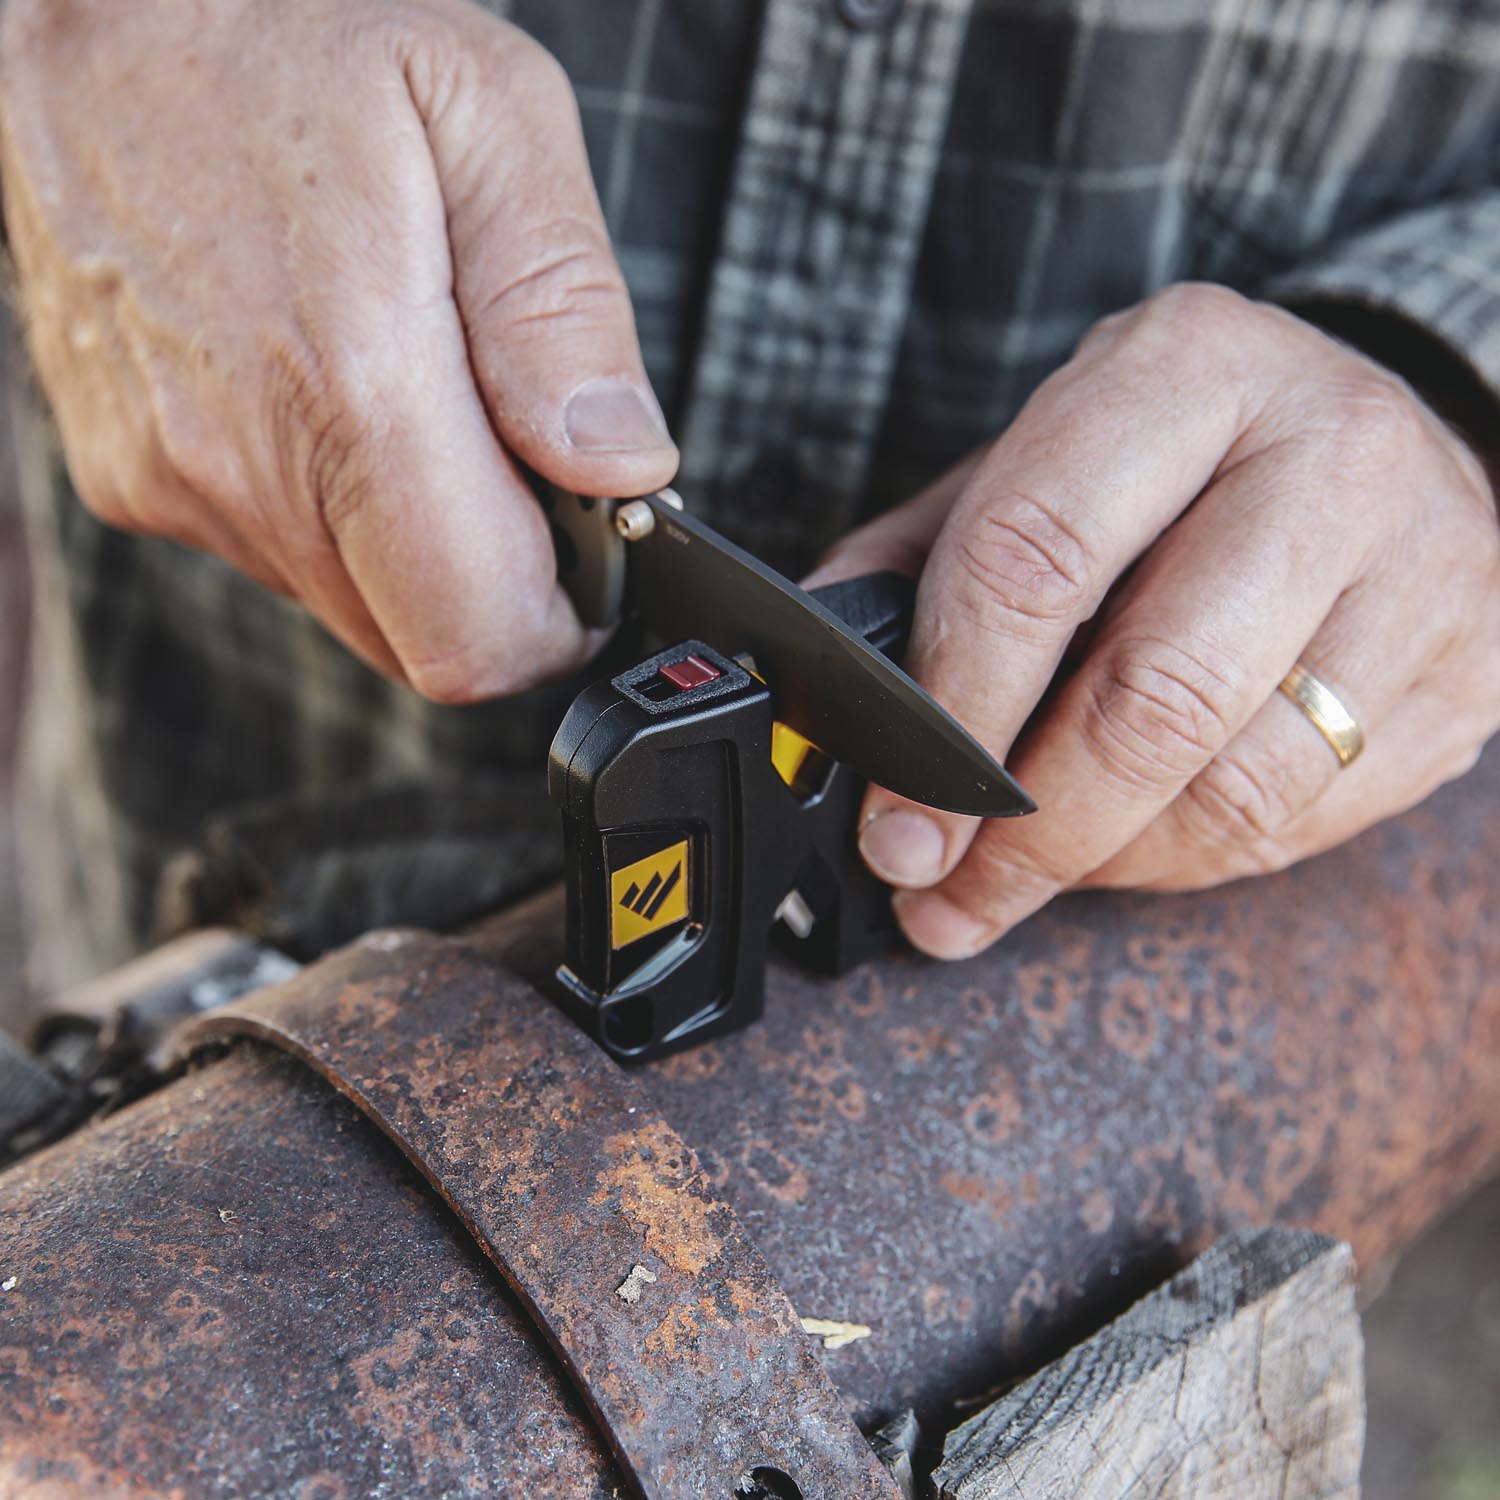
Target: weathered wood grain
point(1242, 1376)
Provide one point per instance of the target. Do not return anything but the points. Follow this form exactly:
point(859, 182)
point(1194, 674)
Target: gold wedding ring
point(1331, 719)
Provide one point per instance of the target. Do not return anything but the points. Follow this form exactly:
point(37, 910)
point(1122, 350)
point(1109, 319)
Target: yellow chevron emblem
point(649, 895)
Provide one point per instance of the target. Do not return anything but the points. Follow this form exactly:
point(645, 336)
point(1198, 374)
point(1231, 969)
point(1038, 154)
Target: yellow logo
point(648, 895)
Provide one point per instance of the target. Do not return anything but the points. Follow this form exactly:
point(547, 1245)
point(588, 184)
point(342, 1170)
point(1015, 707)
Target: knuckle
point(1021, 558)
point(396, 37)
point(1193, 334)
point(1233, 803)
point(1469, 552)
point(451, 57)
point(1469, 670)
point(1370, 424)
point(1104, 331)
point(561, 270)
point(1156, 713)
point(1475, 481)
point(1192, 315)
point(470, 673)
point(103, 500)
point(201, 457)
point(509, 61)
point(341, 476)
point(118, 483)
point(323, 422)
point(1004, 864)
point(544, 75)
point(1470, 484)
point(1478, 533)
point(453, 678)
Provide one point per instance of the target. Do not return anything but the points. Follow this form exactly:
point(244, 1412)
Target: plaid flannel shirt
point(857, 234)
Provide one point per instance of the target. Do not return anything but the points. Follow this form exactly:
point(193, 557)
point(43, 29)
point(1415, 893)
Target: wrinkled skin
point(1209, 492)
point(303, 280)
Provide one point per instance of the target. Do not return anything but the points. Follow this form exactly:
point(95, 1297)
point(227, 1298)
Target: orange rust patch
point(675, 1337)
point(1098, 1211)
point(860, 993)
point(1046, 992)
point(1127, 1019)
point(941, 1304)
point(992, 1116)
point(921, 1044)
point(695, 1065)
point(677, 1224)
point(996, 1198)
point(782, 1179)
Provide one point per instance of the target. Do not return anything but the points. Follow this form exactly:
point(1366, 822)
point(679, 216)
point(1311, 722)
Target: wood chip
point(630, 1289)
point(833, 1333)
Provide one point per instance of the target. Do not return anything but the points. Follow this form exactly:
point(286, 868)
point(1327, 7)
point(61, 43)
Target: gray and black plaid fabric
point(858, 233)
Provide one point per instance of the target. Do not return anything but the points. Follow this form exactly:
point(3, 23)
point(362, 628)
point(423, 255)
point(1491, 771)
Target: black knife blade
point(830, 684)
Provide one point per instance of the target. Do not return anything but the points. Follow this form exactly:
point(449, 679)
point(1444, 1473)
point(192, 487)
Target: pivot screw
point(634, 520)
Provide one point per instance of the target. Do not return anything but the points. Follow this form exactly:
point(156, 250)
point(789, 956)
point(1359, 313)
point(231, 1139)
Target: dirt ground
point(1432, 1338)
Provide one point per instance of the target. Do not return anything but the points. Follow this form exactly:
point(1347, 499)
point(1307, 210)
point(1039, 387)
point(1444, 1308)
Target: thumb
point(545, 309)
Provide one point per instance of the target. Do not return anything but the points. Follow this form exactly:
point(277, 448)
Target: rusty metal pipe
point(980, 1162)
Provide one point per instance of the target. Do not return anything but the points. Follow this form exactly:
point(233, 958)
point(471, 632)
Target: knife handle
point(590, 553)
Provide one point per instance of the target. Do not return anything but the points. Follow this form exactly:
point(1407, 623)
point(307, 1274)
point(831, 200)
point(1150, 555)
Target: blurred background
point(14, 609)
point(1432, 1336)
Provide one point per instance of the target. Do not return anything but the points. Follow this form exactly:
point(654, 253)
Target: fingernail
point(903, 847)
point(936, 926)
point(613, 416)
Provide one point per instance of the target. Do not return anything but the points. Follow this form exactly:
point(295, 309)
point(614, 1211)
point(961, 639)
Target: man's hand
point(1208, 493)
point(302, 280)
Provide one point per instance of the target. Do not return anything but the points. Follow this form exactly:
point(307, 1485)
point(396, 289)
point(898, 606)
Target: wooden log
point(1243, 1376)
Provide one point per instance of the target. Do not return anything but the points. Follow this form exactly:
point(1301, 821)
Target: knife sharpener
point(692, 820)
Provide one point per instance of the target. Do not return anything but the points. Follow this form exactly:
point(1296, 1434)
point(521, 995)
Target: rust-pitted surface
point(559, 1165)
point(236, 1288)
point(986, 1161)
point(980, 1162)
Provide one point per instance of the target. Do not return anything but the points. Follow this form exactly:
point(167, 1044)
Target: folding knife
point(648, 557)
